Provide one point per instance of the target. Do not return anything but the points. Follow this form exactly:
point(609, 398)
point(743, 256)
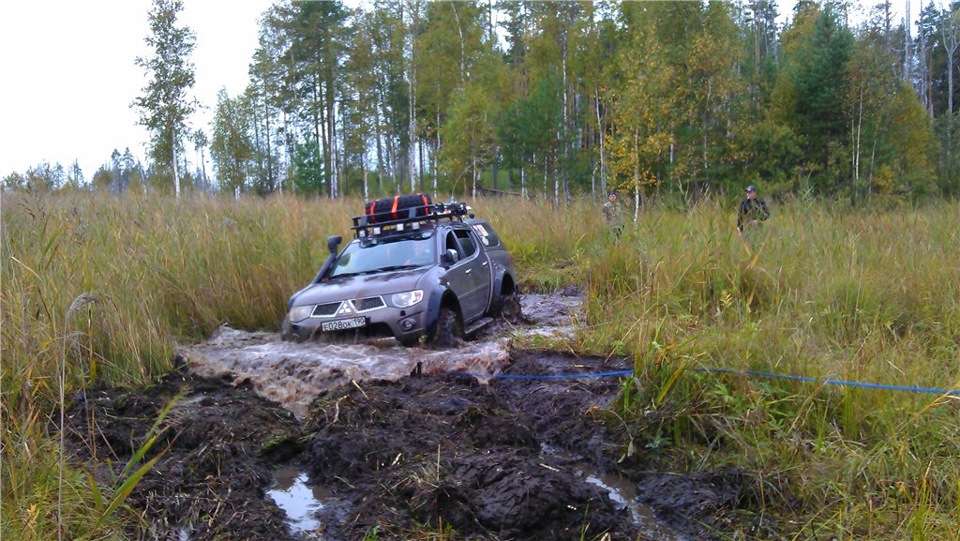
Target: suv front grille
point(326, 310)
point(369, 303)
point(332, 309)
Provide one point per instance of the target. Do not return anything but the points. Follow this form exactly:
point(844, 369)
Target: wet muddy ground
point(274, 441)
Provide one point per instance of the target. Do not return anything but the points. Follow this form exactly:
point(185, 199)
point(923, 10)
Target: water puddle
point(623, 493)
point(298, 501)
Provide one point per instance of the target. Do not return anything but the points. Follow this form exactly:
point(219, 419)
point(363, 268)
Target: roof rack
point(368, 225)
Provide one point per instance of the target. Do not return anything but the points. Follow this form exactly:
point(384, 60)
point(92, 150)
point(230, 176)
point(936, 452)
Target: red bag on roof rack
point(386, 209)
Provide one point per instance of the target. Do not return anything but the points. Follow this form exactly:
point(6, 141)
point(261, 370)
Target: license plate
point(342, 324)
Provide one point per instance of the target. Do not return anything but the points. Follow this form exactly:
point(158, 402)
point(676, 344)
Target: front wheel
point(510, 310)
point(447, 331)
point(409, 342)
point(286, 332)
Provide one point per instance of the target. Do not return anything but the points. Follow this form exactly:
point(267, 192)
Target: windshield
point(408, 252)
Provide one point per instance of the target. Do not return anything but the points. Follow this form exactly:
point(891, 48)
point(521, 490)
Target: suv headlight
point(299, 313)
point(407, 298)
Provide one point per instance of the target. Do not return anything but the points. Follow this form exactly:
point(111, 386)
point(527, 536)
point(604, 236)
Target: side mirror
point(450, 256)
point(332, 242)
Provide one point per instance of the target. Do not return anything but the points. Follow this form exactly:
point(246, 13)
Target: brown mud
point(525, 449)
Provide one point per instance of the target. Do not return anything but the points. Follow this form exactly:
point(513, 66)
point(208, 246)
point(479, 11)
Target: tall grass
point(550, 246)
point(817, 292)
point(99, 289)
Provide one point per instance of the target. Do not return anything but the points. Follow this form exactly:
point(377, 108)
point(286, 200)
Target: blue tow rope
point(828, 381)
point(756, 373)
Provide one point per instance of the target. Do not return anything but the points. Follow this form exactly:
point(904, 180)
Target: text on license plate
point(342, 324)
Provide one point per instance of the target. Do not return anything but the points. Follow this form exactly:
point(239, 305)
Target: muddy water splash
point(294, 374)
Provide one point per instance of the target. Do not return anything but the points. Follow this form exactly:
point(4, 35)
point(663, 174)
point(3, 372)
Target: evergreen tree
point(14, 181)
point(388, 33)
point(761, 61)
point(45, 177)
point(527, 131)
point(316, 38)
point(75, 180)
point(814, 90)
point(201, 142)
point(308, 166)
point(359, 103)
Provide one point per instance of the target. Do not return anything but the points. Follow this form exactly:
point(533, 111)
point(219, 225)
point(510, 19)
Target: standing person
point(752, 210)
point(613, 215)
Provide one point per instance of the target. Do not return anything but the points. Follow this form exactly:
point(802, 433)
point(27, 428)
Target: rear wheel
point(447, 331)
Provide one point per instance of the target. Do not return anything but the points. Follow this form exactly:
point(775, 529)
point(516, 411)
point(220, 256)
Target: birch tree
point(641, 102)
point(231, 147)
point(165, 104)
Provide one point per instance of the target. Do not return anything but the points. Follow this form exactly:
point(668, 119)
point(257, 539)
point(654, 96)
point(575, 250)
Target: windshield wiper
point(377, 270)
point(396, 268)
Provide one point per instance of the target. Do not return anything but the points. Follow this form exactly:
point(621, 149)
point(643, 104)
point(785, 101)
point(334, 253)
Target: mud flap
point(433, 309)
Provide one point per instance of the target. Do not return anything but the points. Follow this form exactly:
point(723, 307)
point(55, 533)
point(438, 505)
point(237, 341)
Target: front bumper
point(404, 324)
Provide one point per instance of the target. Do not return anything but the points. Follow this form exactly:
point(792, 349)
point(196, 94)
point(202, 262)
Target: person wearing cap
point(611, 212)
point(752, 210)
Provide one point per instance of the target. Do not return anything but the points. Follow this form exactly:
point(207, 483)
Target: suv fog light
point(407, 324)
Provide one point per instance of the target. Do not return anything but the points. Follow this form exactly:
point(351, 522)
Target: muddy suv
point(414, 271)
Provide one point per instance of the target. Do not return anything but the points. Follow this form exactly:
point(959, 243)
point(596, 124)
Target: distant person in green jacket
point(613, 214)
point(753, 210)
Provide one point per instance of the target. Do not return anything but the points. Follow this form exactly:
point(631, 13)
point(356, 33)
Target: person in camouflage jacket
point(613, 214)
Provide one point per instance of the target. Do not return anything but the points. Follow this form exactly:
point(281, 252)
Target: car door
point(469, 277)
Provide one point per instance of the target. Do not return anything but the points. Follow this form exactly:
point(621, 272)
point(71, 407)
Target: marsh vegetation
point(97, 291)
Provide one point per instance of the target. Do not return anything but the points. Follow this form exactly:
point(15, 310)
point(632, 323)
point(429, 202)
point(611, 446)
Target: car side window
point(466, 242)
point(451, 243)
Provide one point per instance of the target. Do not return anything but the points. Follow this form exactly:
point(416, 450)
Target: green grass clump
point(821, 293)
point(99, 289)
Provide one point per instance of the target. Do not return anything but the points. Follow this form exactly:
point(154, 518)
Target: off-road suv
point(415, 270)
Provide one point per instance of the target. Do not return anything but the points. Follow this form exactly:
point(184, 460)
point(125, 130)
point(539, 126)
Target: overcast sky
point(68, 73)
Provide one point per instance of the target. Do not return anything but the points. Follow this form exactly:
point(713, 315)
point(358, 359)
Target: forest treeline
point(555, 100)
